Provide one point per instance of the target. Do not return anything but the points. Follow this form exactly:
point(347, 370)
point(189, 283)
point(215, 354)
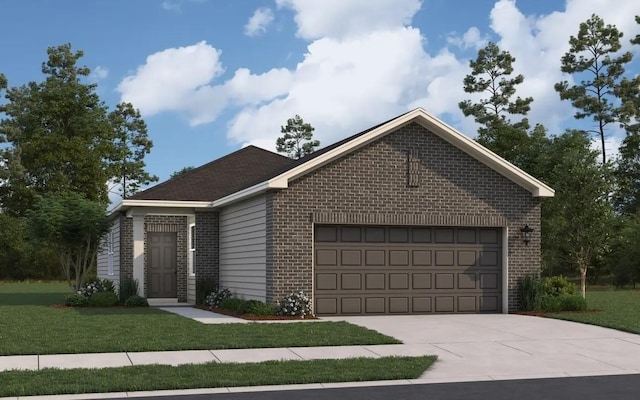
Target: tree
point(181, 172)
point(577, 221)
point(491, 73)
point(62, 138)
point(73, 227)
point(591, 57)
point(297, 140)
point(130, 145)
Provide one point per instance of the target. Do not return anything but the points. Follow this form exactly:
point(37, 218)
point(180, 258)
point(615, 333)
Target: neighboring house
point(409, 216)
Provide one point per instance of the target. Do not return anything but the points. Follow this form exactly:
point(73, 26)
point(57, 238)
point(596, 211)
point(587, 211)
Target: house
point(407, 217)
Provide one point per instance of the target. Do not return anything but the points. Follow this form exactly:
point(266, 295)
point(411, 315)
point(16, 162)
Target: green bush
point(103, 299)
point(563, 302)
point(97, 286)
point(215, 297)
point(76, 300)
point(136, 301)
point(233, 304)
point(128, 288)
point(295, 304)
point(260, 308)
point(558, 285)
point(530, 292)
point(204, 287)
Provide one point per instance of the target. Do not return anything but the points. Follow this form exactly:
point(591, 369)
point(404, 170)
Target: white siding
point(109, 255)
point(243, 248)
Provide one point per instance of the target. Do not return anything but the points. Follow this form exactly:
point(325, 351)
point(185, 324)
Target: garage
point(366, 270)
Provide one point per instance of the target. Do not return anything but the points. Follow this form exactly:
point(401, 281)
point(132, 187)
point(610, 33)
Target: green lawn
point(619, 309)
point(29, 326)
point(160, 377)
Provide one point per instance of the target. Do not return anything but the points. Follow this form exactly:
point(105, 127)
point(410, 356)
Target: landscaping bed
point(255, 317)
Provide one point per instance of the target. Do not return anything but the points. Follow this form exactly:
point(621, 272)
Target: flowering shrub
point(295, 304)
point(215, 298)
point(96, 286)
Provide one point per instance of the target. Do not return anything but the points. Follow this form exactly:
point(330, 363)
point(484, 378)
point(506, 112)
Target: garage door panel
point(351, 257)
point(326, 281)
point(374, 257)
point(327, 257)
point(398, 258)
point(467, 304)
point(403, 270)
point(375, 281)
point(350, 281)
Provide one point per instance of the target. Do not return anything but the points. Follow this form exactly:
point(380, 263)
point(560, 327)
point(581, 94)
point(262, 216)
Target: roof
point(253, 170)
point(219, 178)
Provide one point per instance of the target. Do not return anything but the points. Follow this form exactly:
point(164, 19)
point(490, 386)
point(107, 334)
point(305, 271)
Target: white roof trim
point(419, 115)
point(126, 204)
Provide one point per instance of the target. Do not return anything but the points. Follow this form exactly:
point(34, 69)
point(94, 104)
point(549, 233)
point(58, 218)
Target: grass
point(163, 377)
point(620, 309)
point(29, 326)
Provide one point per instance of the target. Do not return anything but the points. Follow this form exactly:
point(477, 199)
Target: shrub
point(204, 287)
point(295, 304)
point(558, 285)
point(96, 286)
point(128, 288)
point(215, 297)
point(103, 299)
point(76, 300)
point(563, 302)
point(260, 308)
point(136, 301)
point(530, 292)
point(234, 304)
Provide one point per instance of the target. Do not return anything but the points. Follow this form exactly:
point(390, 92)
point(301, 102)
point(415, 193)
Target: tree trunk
point(583, 281)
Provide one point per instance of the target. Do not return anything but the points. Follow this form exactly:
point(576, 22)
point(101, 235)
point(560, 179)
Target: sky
point(212, 76)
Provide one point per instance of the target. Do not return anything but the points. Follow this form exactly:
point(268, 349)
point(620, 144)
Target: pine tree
point(297, 140)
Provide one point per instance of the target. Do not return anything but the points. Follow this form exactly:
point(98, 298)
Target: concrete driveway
point(500, 346)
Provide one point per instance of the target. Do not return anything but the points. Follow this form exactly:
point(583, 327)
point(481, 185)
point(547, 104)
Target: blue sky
point(211, 76)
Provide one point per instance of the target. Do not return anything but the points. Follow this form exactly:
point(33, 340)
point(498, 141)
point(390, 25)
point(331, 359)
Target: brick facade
point(126, 248)
point(170, 223)
point(207, 255)
point(371, 186)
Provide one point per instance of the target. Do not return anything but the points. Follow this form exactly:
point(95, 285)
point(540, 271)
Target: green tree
point(627, 196)
point(297, 139)
point(577, 221)
point(62, 138)
point(73, 227)
point(625, 255)
point(130, 145)
point(592, 59)
point(181, 172)
point(492, 74)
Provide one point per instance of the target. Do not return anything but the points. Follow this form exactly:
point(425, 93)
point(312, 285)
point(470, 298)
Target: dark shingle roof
point(219, 178)
point(233, 172)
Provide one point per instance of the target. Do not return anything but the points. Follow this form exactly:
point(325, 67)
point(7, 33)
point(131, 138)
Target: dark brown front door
point(162, 264)
point(407, 270)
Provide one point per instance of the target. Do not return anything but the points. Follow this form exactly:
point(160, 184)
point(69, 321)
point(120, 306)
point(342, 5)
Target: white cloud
point(99, 73)
point(259, 22)
point(168, 79)
point(173, 6)
point(470, 39)
point(347, 18)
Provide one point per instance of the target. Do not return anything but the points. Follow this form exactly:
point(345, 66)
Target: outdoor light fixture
point(526, 234)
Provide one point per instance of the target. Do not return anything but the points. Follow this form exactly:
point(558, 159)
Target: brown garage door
point(407, 270)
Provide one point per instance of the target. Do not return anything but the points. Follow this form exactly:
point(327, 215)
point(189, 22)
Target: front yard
point(29, 326)
point(618, 309)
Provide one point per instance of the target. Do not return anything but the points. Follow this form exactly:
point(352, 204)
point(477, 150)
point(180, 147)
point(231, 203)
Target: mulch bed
point(253, 317)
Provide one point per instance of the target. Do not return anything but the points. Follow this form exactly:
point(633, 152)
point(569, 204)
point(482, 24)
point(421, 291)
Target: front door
point(162, 264)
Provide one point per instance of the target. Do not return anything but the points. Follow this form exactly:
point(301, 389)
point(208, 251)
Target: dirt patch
point(253, 317)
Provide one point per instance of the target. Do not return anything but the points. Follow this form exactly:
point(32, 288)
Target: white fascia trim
point(125, 204)
point(242, 194)
point(446, 132)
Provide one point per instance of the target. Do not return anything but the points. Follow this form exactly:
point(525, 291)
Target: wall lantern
point(526, 234)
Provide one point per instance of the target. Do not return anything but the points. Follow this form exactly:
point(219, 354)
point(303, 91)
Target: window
point(192, 247)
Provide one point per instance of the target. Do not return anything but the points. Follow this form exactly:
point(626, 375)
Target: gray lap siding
point(370, 186)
